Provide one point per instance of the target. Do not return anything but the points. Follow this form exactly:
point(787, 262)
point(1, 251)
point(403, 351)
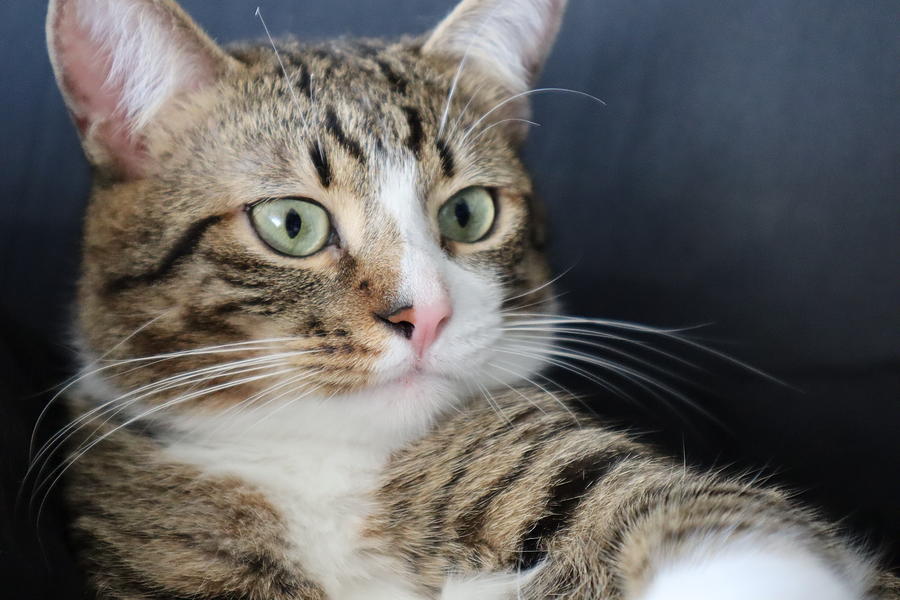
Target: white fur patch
point(317, 462)
point(750, 570)
point(466, 350)
point(489, 586)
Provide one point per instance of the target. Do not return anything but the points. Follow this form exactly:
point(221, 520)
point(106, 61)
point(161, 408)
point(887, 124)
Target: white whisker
point(501, 122)
point(542, 388)
point(514, 97)
point(85, 447)
point(287, 79)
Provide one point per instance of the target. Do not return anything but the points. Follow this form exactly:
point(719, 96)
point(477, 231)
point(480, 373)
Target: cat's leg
point(672, 535)
point(603, 518)
point(150, 528)
point(708, 538)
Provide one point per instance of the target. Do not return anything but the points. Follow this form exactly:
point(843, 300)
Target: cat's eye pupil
point(463, 213)
point(293, 223)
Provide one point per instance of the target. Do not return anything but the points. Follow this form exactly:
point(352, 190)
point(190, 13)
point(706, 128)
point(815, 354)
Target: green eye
point(292, 226)
point(468, 215)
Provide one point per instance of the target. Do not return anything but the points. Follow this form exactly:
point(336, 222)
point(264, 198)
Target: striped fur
point(246, 426)
point(590, 507)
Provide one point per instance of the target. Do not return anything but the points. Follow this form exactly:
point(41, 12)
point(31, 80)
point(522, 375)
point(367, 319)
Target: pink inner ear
point(94, 99)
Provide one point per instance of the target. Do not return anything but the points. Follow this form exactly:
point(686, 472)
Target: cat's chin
point(417, 386)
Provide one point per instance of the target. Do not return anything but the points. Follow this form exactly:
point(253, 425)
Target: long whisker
point(487, 129)
point(455, 125)
point(287, 79)
point(538, 288)
point(174, 381)
point(37, 424)
point(674, 334)
point(110, 409)
point(641, 380)
point(83, 449)
point(459, 70)
point(591, 333)
point(145, 361)
point(284, 406)
point(490, 400)
point(592, 377)
point(605, 347)
point(517, 391)
point(542, 388)
point(246, 407)
point(116, 405)
point(515, 97)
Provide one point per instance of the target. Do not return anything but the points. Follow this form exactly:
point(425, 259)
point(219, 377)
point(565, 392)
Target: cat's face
point(338, 221)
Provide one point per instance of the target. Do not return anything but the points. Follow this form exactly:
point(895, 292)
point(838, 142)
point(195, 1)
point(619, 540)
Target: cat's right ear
point(118, 63)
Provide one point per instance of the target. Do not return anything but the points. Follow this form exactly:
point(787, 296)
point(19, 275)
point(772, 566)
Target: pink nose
point(421, 325)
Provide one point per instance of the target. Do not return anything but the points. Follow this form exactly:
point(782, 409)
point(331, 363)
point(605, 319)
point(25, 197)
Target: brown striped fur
point(490, 490)
point(171, 264)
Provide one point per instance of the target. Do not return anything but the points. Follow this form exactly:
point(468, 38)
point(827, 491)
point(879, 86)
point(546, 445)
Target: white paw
point(745, 572)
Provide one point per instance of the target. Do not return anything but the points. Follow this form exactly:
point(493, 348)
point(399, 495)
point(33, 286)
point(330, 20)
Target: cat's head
point(347, 223)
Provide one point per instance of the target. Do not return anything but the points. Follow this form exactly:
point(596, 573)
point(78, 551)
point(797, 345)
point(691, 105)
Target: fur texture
point(250, 425)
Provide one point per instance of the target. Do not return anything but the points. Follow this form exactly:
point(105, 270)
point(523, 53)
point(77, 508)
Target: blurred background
point(743, 175)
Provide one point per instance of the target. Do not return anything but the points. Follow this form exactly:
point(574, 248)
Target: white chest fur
point(320, 482)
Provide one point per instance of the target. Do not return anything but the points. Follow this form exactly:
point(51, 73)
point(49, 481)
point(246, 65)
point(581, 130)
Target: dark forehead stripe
point(304, 83)
point(333, 124)
point(416, 133)
point(448, 162)
point(183, 248)
point(397, 81)
point(320, 162)
point(364, 48)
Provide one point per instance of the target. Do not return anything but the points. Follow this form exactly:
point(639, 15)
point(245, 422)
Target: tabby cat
point(312, 315)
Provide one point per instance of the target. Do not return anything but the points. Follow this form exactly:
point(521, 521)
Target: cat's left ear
point(507, 40)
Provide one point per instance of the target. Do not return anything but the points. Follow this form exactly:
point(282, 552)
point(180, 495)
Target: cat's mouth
point(415, 374)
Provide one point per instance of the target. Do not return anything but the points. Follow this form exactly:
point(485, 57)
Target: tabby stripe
point(242, 283)
point(366, 49)
point(320, 162)
point(416, 133)
point(472, 522)
point(233, 306)
point(463, 460)
point(448, 163)
point(244, 264)
point(183, 248)
point(350, 145)
point(573, 484)
point(126, 580)
point(305, 81)
point(395, 79)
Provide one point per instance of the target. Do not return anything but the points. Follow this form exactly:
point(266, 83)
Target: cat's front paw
point(749, 574)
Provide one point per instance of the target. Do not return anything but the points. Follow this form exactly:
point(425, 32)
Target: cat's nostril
point(399, 320)
point(404, 328)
